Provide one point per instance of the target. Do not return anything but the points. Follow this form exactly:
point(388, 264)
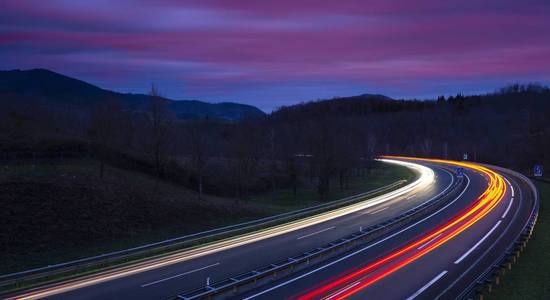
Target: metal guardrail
point(493, 274)
point(277, 269)
point(122, 256)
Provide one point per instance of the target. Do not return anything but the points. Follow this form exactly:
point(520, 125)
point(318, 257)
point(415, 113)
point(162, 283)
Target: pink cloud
point(371, 44)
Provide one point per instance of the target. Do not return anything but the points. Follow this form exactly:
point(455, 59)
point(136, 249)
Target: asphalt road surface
point(161, 282)
point(395, 267)
point(434, 256)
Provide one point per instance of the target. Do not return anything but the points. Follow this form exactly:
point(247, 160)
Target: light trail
point(426, 178)
point(360, 279)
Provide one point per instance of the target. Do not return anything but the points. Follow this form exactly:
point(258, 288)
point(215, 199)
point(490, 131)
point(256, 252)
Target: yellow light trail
point(482, 206)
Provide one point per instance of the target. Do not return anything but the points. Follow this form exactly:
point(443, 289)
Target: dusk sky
point(273, 53)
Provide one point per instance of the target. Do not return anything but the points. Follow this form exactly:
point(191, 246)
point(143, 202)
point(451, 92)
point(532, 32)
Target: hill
point(60, 92)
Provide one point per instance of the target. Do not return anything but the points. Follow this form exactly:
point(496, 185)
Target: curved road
point(161, 281)
point(434, 257)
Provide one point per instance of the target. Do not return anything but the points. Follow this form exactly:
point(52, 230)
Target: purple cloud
point(270, 53)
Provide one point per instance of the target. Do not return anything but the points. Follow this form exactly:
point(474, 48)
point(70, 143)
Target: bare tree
point(287, 146)
point(103, 117)
point(246, 151)
point(198, 140)
point(427, 146)
point(160, 122)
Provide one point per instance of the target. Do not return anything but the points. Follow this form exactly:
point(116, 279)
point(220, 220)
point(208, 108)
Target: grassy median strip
point(530, 277)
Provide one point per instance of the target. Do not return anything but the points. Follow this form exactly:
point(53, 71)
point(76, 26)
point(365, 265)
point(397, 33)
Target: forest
point(316, 141)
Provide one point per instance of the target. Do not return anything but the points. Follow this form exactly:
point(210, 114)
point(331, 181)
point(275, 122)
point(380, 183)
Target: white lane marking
point(427, 285)
point(486, 251)
point(478, 243)
point(179, 275)
point(305, 236)
point(428, 242)
point(511, 187)
point(411, 197)
point(340, 292)
point(377, 211)
point(362, 249)
point(508, 208)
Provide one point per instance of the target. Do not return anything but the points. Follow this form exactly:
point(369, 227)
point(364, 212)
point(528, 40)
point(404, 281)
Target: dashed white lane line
point(305, 236)
point(346, 289)
point(427, 285)
point(377, 211)
point(511, 187)
point(428, 242)
point(478, 243)
point(179, 275)
point(291, 280)
point(508, 208)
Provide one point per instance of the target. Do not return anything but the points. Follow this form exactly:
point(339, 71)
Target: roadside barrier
point(78, 267)
point(493, 275)
point(246, 281)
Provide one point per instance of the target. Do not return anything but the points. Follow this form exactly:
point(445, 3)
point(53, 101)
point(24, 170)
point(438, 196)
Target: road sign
point(465, 156)
point(459, 172)
point(538, 170)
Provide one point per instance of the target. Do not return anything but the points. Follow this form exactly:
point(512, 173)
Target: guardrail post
point(478, 294)
point(489, 285)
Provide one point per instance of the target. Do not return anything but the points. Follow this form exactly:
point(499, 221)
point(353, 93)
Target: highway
point(167, 276)
point(436, 255)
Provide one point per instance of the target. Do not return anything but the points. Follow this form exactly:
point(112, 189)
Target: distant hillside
point(56, 91)
point(360, 105)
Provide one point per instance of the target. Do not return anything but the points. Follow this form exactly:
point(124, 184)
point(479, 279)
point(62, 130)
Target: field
point(530, 277)
point(55, 213)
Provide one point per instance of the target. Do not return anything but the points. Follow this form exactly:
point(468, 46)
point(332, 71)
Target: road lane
point(478, 240)
point(246, 256)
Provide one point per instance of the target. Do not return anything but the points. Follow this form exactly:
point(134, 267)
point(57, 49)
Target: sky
point(274, 53)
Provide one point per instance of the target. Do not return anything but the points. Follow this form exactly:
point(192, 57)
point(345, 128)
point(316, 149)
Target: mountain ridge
point(49, 88)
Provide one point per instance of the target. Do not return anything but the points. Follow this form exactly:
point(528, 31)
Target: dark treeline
point(310, 143)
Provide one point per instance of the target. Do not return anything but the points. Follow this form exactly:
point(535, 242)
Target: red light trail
point(362, 278)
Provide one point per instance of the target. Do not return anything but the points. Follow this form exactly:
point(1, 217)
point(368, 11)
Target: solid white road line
point(179, 275)
point(428, 242)
point(362, 249)
point(478, 243)
point(427, 285)
point(377, 211)
point(305, 236)
point(508, 208)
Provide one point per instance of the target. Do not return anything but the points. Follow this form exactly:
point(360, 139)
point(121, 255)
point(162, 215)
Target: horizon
point(274, 54)
point(290, 104)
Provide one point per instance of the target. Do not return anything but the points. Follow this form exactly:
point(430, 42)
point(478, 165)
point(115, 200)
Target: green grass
point(530, 277)
point(381, 175)
point(87, 216)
